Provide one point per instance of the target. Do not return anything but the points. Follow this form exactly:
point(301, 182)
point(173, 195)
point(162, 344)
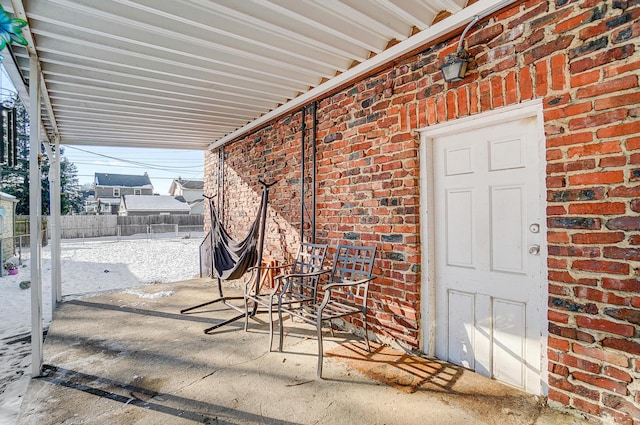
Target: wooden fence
point(94, 226)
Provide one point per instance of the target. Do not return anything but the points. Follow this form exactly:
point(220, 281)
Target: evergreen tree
point(15, 180)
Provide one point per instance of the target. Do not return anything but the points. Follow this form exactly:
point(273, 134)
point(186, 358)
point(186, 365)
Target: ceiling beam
point(19, 11)
point(481, 8)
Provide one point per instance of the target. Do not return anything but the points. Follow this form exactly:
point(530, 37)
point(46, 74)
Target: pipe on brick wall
point(314, 135)
point(302, 170)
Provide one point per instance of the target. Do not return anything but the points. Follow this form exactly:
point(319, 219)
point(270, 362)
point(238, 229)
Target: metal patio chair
point(300, 279)
point(345, 294)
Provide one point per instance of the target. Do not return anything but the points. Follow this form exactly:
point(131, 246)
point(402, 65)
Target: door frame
point(528, 109)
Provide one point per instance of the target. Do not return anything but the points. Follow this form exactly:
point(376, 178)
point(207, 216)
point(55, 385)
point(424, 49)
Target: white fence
point(96, 226)
point(88, 226)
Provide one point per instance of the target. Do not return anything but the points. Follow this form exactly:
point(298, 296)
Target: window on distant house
point(137, 191)
point(116, 192)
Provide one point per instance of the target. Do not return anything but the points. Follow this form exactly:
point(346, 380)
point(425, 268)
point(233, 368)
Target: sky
point(162, 165)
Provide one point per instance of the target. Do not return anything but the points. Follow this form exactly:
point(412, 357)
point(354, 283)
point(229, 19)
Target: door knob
point(534, 249)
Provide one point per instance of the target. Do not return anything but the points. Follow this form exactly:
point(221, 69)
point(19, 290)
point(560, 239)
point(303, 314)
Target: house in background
point(136, 205)
point(7, 212)
point(191, 191)
point(110, 187)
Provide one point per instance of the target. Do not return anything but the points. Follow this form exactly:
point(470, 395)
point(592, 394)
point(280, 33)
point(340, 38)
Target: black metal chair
point(300, 278)
point(345, 294)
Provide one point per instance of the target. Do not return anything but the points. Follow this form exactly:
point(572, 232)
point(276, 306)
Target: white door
point(488, 233)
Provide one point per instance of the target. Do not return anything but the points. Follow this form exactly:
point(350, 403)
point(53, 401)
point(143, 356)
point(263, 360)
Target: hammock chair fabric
point(231, 259)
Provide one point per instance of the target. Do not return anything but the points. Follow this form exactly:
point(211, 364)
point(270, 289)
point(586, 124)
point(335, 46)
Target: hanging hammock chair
point(230, 258)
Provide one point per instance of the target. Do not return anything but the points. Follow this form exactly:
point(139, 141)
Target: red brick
point(573, 22)
point(511, 89)
point(592, 294)
point(602, 177)
point(628, 254)
point(567, 111)
point(595, 61)
point(560, 276)
point(624, 223)
point(611, 102)
point(618, 403)
point(526, 84)
point(605, 326)
point(570, 333)
point(611, 86)
point(558, 72)
point(612, 161)
point(618, 374)
point(581, 165)
point(633, 143)
point(598, 120)
point(586, 406)
point(556, 182)
point(625, 345)
point(558, 369)
point(557, 343)
point(625, 192)
point(588, 194)
point(599, 381)
point(547, 49)
point(619, 130)
point(579, 363)
point(541, 78)
point(485, 95)
point(604, 208)
point(557, 237)
point(573, 251)
point(597, 238)
point(556, 210)
point(571, 139)
point(599, 354)
point(559, 397)
point(553, 154)
point(601, 266)
point(557, 317)
point(595, 149)
point(463, 101)
point(585, 78)
point(627, 285)
point(628, 315)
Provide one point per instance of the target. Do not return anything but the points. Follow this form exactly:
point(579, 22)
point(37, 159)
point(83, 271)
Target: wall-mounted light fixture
point(455, 64)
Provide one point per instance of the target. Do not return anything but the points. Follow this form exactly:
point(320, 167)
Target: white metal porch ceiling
point(191, 74)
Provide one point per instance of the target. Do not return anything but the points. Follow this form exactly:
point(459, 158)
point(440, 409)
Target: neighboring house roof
point(158, 203)
point(122, 180)
point(186, 184)
point(6, 197)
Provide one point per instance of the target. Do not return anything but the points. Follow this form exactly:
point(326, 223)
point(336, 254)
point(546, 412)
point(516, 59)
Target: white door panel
point(488, 285)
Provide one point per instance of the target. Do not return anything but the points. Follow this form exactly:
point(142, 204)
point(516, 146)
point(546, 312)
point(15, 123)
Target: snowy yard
point(89, 266)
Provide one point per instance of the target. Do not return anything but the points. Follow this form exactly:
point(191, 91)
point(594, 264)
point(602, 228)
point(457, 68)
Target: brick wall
point(581, 57)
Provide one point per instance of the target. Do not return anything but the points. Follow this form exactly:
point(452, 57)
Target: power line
point(137, 163)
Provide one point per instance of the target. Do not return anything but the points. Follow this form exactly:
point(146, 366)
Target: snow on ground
point(88, 266)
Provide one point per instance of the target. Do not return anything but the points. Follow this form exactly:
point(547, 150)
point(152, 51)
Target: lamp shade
point(455, 66)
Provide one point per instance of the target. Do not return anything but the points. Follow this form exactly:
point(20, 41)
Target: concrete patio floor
point(130, 358)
